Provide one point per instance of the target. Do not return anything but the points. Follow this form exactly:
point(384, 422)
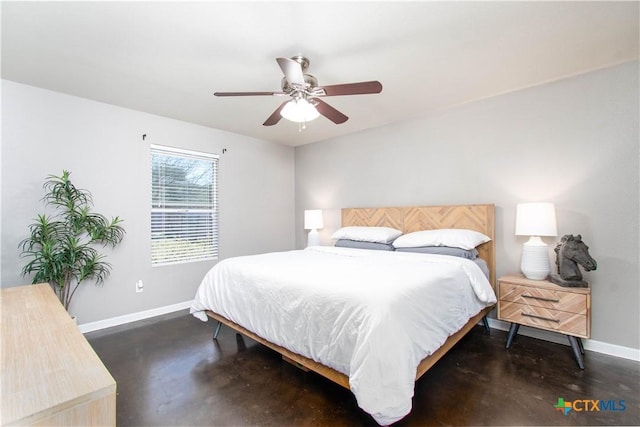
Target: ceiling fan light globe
point(299, 111)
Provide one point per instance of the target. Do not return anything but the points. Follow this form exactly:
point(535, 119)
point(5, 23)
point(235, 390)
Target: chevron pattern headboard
point(415, 218)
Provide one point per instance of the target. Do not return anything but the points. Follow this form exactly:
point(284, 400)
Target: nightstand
point(545, 305)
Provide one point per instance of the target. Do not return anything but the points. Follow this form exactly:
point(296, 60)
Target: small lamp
point(313, 221)
point(535, 220)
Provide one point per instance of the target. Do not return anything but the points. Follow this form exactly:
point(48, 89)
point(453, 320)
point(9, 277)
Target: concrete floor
point(169, 372)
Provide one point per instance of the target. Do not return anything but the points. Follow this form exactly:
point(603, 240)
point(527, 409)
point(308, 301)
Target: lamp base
point(313, 239)
point(535, 259)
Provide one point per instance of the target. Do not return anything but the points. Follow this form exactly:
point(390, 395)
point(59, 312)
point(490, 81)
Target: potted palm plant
point(61, 248)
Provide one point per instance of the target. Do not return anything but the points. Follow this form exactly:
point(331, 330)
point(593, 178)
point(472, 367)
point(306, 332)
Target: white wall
point(44, 132)
point(574, 142)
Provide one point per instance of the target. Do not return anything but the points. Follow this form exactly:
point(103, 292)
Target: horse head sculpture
point(571, 252)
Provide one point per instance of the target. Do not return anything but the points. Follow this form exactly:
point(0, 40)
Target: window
point(184, 206)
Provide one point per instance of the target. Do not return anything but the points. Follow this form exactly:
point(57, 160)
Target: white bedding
point(372, 315)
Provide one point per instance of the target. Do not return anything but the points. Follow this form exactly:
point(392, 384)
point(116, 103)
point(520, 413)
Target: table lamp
point(535, 220)
point(313, 221)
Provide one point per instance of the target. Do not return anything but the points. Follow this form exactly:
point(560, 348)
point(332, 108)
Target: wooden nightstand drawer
point(545, 318)
point(544, 298)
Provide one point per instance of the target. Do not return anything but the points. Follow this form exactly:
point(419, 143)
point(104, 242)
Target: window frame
point(214, 210)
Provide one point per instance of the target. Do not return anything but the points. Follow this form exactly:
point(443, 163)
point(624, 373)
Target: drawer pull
point(541, 317)
point(540, 298)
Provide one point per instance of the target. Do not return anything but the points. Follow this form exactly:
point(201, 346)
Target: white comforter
point(372, 315)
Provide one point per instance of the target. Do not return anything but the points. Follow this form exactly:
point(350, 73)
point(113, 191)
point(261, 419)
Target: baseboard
point(592, 345)
point(133, 317)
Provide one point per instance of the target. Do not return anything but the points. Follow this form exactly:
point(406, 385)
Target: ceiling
point(167, 58)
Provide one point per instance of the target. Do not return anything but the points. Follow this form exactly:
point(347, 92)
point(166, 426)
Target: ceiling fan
point(305, 103)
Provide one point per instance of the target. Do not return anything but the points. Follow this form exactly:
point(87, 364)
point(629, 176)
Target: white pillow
point(367, 234)
point(453, 237)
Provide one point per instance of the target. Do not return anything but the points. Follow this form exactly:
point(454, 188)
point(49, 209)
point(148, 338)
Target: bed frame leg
point(217, 330)
point(485, 322)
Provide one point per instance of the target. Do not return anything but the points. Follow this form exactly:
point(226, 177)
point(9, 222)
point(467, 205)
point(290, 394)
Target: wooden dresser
point(50, 374)
point(545, 305)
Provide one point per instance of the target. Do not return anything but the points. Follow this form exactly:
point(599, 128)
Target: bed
point(345, 322)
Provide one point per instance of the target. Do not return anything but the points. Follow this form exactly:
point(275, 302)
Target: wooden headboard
point(416, 218)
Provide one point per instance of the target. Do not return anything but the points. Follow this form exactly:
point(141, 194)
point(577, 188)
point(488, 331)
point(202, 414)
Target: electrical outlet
point(139, 286)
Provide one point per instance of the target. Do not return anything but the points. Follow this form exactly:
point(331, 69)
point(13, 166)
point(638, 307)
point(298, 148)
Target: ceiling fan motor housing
point(310, 83)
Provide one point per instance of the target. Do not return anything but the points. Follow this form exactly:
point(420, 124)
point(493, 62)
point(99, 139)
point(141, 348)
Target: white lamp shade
point(536, 219)
point(313, 219)
point(300, 111)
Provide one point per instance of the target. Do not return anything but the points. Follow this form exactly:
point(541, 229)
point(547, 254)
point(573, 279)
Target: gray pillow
point(346, 243)
point(442, 250)
point(483, 266)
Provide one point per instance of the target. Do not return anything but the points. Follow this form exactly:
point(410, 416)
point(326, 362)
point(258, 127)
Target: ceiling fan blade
point(361, 88)
point(275, 117)
point(329, 112)
point(248, 93)
point(292, 71)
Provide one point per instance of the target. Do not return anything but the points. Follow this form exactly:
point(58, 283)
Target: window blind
point(184, 206)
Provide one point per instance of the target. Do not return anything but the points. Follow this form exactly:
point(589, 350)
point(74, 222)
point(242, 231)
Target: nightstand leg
point(576, 350)
point(513, 331)
point(580, 345)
